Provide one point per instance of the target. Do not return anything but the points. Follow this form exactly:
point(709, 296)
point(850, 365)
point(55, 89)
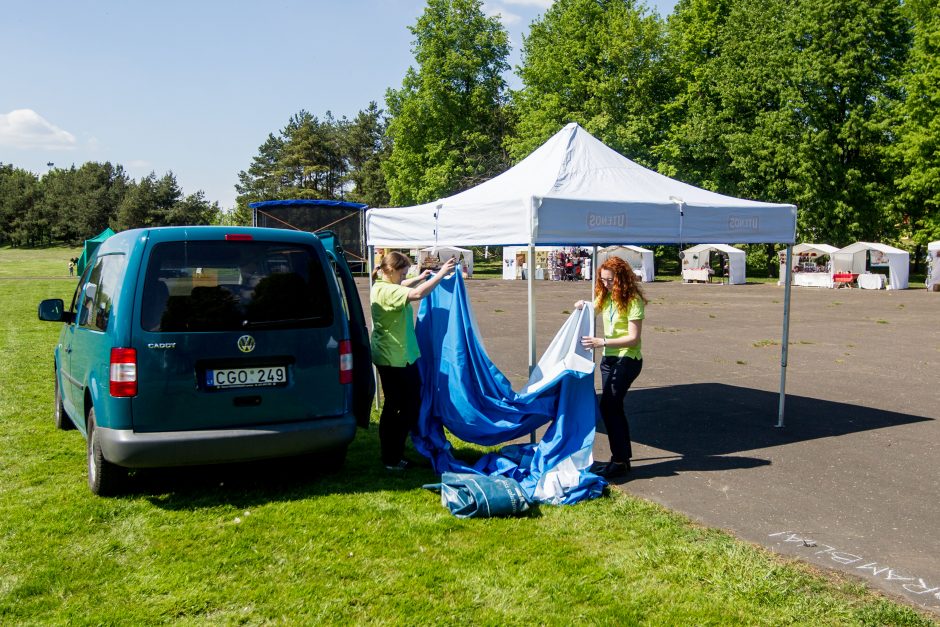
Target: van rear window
point(234, 286)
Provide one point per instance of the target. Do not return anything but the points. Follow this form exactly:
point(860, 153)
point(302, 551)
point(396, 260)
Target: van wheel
point(62, 420)
point(104, 478)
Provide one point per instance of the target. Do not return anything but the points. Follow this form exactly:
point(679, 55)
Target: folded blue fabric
point(477, 496)
point(466, 393)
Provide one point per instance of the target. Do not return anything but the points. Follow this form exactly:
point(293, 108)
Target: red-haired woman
point(621, 304)
point(395, 349)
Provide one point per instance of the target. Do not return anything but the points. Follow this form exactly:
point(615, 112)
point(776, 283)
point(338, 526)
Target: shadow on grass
point(705, 424)
point(248, 484)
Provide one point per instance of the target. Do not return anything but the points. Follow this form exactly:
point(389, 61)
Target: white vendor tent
point(853, 259)
point(443, 253)
point(933, 266)
point(699, 257)
point(808, 253)
point(575, 190)
point(640, 259)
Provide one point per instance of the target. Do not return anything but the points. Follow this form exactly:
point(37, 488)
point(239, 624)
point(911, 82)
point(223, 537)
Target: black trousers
point(617, 375)
point(402, 390)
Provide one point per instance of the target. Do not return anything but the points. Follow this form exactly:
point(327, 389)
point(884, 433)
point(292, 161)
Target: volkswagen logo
point(246, 343)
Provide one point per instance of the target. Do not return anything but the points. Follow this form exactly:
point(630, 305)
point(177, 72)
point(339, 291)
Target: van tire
point(61, 419)
point(104, 478)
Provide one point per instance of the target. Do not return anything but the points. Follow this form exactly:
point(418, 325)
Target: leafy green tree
point(448, 119)
point(784, 100)
point(917, 122)
point(83, 201)
point(262, 180)
point(20, 193)
point(601, 63)
point(192, 209)
point(365, 147)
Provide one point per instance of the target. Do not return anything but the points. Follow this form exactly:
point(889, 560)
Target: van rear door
point(236, 332)
point(363, 376)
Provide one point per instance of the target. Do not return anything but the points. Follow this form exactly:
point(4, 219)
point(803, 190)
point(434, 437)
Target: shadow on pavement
point(705, 424)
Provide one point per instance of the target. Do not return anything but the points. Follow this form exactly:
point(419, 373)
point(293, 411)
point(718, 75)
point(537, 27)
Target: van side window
point(87, 306)
point(99, 292)
point(78, 289)
point(112, 269)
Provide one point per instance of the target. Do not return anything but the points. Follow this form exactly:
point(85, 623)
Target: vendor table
point(813, 279)
point(844, 278)
point(871, 281)
point(690, 274)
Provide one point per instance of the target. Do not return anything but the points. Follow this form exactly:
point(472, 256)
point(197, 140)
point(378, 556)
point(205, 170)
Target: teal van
point(198, 345)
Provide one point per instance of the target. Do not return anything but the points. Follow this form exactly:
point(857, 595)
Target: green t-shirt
point(394, 342)
point(616, 324)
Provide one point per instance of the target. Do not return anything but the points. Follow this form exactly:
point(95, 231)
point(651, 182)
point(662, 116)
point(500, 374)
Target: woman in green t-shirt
point(395, 349)
point(621, 304)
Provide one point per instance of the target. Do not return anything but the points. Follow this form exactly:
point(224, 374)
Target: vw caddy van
point(198, 345)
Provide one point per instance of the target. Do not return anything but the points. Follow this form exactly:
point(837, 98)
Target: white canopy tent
point(699, 257)
point(640, 259)
point(575, 190)
point(443, 253)
point(933, 266)
point(853, 259)
point(809, 253)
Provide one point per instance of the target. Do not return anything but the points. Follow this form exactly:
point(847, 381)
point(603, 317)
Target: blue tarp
point(465, 392)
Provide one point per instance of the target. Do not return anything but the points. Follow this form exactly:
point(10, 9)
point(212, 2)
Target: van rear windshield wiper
point(251, 324)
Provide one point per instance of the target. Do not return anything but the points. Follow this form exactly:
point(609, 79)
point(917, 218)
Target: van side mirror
point(53, 310)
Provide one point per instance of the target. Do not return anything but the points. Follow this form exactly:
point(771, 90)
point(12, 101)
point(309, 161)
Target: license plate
point(246, 377)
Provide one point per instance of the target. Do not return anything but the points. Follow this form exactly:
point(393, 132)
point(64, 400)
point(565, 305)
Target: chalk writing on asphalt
point(912, 585)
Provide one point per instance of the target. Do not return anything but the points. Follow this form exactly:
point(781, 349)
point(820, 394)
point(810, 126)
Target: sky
point(194, 87)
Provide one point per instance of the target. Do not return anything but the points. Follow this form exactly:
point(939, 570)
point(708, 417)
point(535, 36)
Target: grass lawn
point(279, 543)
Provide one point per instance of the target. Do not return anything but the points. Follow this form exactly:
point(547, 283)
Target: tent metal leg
point(530, 276)
point(370, 263)
point(785, 349)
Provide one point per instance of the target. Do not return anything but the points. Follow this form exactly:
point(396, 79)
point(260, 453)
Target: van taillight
point(345, 361)
point(238, 237)
point(123, 372)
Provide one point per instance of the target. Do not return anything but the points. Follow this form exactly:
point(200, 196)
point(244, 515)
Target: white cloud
point(507, 17)
point(24, 128)
point(539, 4)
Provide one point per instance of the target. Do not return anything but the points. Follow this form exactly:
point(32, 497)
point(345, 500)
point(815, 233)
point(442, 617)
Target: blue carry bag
point(469, 495)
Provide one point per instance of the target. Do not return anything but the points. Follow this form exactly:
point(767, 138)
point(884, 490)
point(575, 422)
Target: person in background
point(395, 349)
point(621, 304)
point(71, 268)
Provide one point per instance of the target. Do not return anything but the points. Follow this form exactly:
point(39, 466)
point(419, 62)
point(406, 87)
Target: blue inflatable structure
point(465, 393)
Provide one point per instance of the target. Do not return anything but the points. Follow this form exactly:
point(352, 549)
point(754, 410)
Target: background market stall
point(858, 258)
point(696, 263)
point(573, 191)
point(435, 255)
point(933, 266)
point(812, 265)
point(556, 263)
point(640, 259)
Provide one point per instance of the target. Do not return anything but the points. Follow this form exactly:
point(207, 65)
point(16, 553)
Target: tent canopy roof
point(934, 245)
point(821, 249)
point(724, 248)
point(575, 190)
point(860, 246)
point(638, 249)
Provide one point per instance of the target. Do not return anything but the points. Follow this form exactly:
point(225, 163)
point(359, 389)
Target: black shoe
point(613, 470)
point(401, 465)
